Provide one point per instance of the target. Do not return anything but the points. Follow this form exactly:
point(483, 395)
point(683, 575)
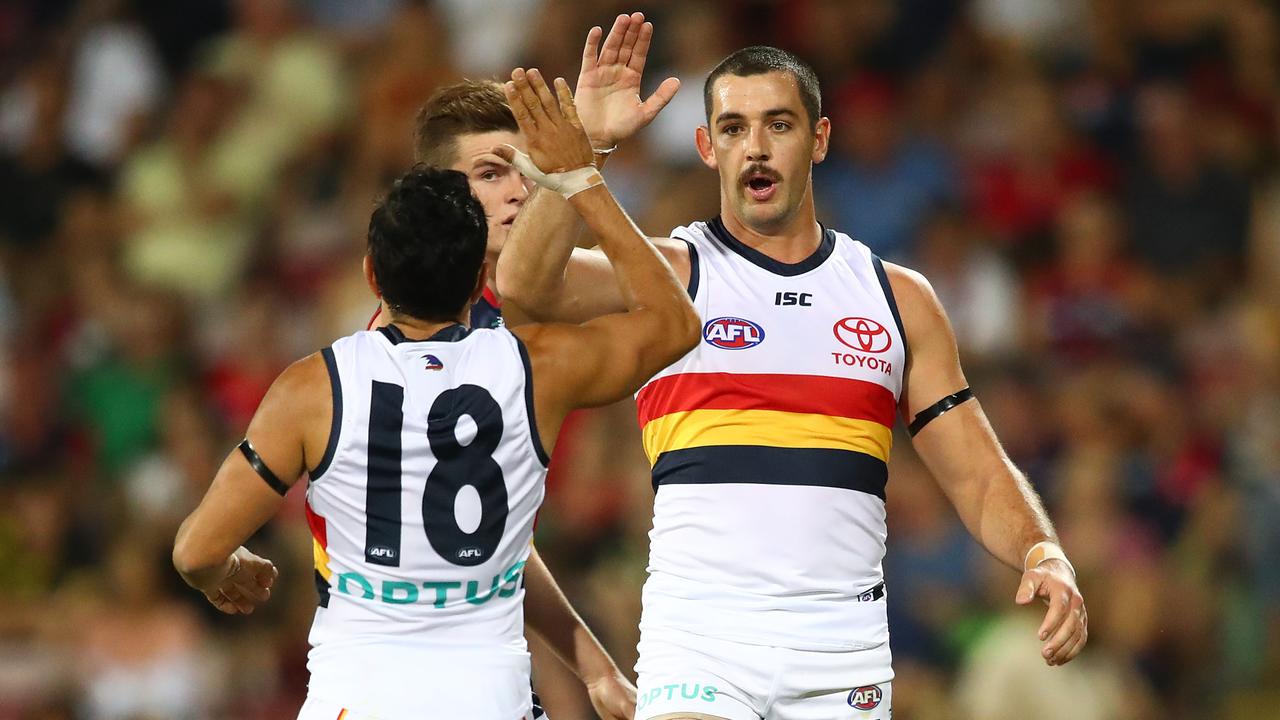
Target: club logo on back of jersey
point(867, 697)
point(862, 334)
point(732, 333)
point(432, 362)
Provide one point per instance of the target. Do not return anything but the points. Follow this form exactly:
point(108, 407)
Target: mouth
point(509, 222)
point(761, 187)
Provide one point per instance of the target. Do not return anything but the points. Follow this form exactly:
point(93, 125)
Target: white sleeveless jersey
point(769, 445)
point(422, 512)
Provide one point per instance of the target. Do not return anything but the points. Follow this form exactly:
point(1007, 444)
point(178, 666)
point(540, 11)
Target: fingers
point(567, 106)
point(1081, 640)
point(1059, 608)
point(546, 100)
point(613, 43)
point(659, 99)
point(641, 51)
point(504, 151)
point(629, 41)
point(529, 96)
point(515, 100)
point(591, 50)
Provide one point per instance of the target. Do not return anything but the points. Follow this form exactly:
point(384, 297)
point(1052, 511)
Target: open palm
point(608, 92)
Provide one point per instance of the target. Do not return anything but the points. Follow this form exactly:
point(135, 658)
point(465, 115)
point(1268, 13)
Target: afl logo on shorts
point(731, 333)
point(866, 697)
point(861, 334)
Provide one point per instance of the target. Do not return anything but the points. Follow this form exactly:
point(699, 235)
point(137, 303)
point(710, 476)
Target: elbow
point(189, 559)
point(686, 329)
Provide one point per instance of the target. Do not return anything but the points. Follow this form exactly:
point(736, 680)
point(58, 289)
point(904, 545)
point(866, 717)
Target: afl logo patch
point(731, 333)
point(866, 697)
point(433, 362)
point(862, 334)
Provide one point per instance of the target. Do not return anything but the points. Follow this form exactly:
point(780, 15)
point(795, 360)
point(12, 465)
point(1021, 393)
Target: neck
point(415, 328)
point(796, 239)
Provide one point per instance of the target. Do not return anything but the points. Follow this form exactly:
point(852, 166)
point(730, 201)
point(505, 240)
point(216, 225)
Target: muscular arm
point(993, 498)
point(545, 276)
point(289, 431)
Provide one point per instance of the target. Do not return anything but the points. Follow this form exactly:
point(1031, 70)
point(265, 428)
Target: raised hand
point(608, 88)
point(552, 130)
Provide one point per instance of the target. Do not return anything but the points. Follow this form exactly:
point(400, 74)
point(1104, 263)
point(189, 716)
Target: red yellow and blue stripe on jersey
point(772, 429)
point(319, 553)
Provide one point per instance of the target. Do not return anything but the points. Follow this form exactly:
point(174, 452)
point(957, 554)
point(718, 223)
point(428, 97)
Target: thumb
point(660, 97)
point(1030, 585)
point(504, 151)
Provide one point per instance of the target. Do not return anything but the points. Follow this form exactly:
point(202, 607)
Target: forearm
point(530, 270)
point(1006, 515)
point(549, 615)
point(644, 279)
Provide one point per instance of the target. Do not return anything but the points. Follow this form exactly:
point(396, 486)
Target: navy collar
point(759, 259)
point(448, 333)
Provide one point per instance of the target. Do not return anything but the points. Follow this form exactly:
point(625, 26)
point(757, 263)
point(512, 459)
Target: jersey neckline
point(448, 333)
point(764, 262)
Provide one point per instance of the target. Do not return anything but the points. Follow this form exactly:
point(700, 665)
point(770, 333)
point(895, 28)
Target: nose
point(757, 146)
point(519, 190)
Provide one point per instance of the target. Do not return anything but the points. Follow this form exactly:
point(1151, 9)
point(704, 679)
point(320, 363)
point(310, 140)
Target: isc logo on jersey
point(866, 697)
point(732, 333)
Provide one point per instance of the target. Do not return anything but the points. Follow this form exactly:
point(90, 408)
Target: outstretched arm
point(548, 613)
point(540, 271)
point(992, 497)
point(607, 358)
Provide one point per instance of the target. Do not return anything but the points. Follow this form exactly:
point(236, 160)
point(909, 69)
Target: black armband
point(264, 472)
point(931, 413)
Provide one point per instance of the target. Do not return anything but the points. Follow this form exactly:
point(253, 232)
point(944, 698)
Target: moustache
point(759, 169)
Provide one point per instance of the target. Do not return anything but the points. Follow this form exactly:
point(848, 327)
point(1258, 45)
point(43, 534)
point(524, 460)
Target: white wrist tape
point(1045, 550)
point(567, 183)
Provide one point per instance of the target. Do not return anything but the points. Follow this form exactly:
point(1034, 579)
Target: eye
point(489, 175)
point(779, 126)
point(732, 129)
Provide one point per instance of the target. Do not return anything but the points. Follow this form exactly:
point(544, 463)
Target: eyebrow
point(772, 112)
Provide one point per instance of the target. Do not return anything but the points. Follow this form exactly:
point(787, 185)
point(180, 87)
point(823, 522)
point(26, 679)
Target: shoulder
point(303, 386)
point(917, 302)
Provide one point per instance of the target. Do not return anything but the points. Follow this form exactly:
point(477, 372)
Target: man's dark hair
point(761, 59)
point(426, 241)
point(470, 106)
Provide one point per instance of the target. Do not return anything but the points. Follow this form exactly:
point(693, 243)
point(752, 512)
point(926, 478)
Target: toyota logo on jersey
point(866, 697)
point(732, 333)
point(862, 334)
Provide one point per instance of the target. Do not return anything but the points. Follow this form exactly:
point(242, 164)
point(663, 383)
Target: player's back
point(421, 513)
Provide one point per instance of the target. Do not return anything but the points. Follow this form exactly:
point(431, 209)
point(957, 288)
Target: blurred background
point(1091, 185)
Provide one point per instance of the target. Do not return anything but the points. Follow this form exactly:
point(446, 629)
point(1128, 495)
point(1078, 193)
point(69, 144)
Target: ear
point(821, 140)
point(481, 281)
point(370, 277)
point(702, 137)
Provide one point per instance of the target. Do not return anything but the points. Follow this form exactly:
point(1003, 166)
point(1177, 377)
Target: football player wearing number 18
point(427, 445)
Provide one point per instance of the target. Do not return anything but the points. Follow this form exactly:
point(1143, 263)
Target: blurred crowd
point(1092, 186)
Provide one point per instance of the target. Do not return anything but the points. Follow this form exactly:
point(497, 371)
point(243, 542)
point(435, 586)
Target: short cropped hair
point(427, 242)
point(470, 106)
point(761, 59)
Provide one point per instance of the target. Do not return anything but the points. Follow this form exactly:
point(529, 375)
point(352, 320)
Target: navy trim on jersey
point(448, 333)
point(759, 465)
point(893, 304)
point(693, 271)
point(335, 425)
point(759, 259)
point(322, 588)
point(528, 402)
